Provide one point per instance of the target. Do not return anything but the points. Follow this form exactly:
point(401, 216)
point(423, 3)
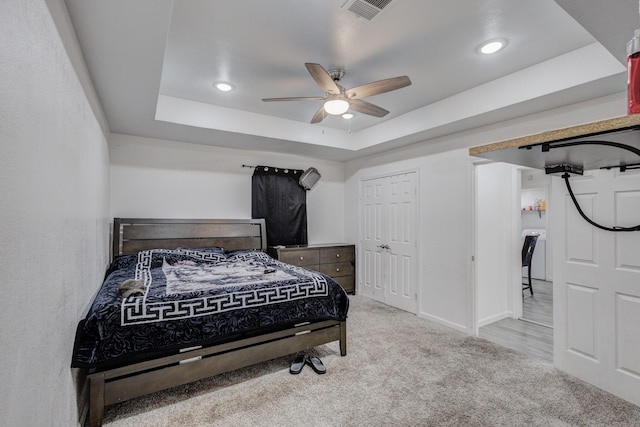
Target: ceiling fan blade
point(295, 98)
point(319, 115)
point(322, 77)
point(375, 88)
point(367, 108)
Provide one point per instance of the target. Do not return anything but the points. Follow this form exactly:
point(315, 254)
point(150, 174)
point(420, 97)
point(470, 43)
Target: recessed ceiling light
point(492, 46)
point(223, 86)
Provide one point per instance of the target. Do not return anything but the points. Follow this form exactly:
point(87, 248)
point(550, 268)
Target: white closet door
point(597, 282)
point(370, 260)
point(388, 240)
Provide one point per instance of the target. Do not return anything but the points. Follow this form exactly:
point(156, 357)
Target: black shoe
point(316, 364)
point(297, 364)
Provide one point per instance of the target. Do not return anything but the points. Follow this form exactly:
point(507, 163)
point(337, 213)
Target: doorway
point(535, 191)
point(499, 302)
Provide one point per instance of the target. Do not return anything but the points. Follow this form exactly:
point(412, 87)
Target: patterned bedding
point(198, 297)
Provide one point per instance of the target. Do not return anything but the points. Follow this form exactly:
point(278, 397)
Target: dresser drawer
point(337, 269)
point(302, 258)
point(336, 261)
point(337, 254)
point(348, 283)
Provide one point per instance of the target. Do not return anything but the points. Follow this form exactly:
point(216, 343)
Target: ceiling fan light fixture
point(337, 100)
point(336, 107)
point(348, 115)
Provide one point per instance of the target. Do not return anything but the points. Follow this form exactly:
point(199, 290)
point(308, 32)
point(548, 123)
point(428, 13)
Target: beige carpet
point(400, 370)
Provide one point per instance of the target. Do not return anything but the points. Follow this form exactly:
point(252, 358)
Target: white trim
point(456, 326)
point(515, 291)
point(494, 318)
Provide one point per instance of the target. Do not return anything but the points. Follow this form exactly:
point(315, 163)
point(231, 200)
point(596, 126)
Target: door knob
point(384, 246)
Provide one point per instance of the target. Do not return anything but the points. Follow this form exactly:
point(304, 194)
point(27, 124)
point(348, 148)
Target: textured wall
point(54, 187)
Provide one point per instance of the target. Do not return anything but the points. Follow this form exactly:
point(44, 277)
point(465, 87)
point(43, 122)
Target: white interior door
point(372, 273)
point(597, 282)
point(388, 240)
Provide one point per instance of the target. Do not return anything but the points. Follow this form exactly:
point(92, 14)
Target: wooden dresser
point(336, 260)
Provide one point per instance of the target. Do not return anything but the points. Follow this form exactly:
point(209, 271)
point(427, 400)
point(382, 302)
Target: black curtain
point(277, 197)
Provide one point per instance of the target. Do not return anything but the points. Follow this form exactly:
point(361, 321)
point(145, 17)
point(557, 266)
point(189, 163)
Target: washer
point(539, 260)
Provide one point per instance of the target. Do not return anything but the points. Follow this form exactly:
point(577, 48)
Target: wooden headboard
point(131, 235)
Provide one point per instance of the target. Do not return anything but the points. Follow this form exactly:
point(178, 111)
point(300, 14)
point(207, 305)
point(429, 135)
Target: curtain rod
point(286, 170)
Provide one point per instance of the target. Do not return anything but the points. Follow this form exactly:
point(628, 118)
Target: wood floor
point(533, 334)
point(539, 306)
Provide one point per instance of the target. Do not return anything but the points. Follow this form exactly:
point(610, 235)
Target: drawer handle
point(337, 270)
point(337, 255)
point(301, 258)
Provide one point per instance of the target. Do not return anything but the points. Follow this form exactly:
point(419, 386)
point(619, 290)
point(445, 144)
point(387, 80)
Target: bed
point(206, 300)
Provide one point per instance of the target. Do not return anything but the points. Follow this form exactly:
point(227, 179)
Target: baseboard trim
point(489, 320)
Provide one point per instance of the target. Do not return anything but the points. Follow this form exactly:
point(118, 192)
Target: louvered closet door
point(388, 240)
point(597, 282)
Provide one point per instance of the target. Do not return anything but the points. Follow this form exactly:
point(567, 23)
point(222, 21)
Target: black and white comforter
point(198, 297)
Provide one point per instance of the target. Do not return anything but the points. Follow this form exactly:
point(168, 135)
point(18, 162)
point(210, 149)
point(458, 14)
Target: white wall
point(443, 224)
point(495, 230)
point(153, 178)
point(54, 216)
point(445, 244)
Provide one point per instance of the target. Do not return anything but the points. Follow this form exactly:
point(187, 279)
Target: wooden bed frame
point(116, 385)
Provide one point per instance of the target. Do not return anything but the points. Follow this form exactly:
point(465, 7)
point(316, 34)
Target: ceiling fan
point(339, 100)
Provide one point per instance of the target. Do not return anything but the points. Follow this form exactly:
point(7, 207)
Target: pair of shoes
point(316, 364)
point(301, 360)
point(297, 364)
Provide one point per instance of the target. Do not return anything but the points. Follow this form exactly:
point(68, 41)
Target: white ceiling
point(153, 63)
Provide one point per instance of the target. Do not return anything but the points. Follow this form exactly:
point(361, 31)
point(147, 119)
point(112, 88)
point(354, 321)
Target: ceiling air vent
point(366, 9)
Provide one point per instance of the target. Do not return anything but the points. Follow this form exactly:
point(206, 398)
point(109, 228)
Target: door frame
point(515, 292)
